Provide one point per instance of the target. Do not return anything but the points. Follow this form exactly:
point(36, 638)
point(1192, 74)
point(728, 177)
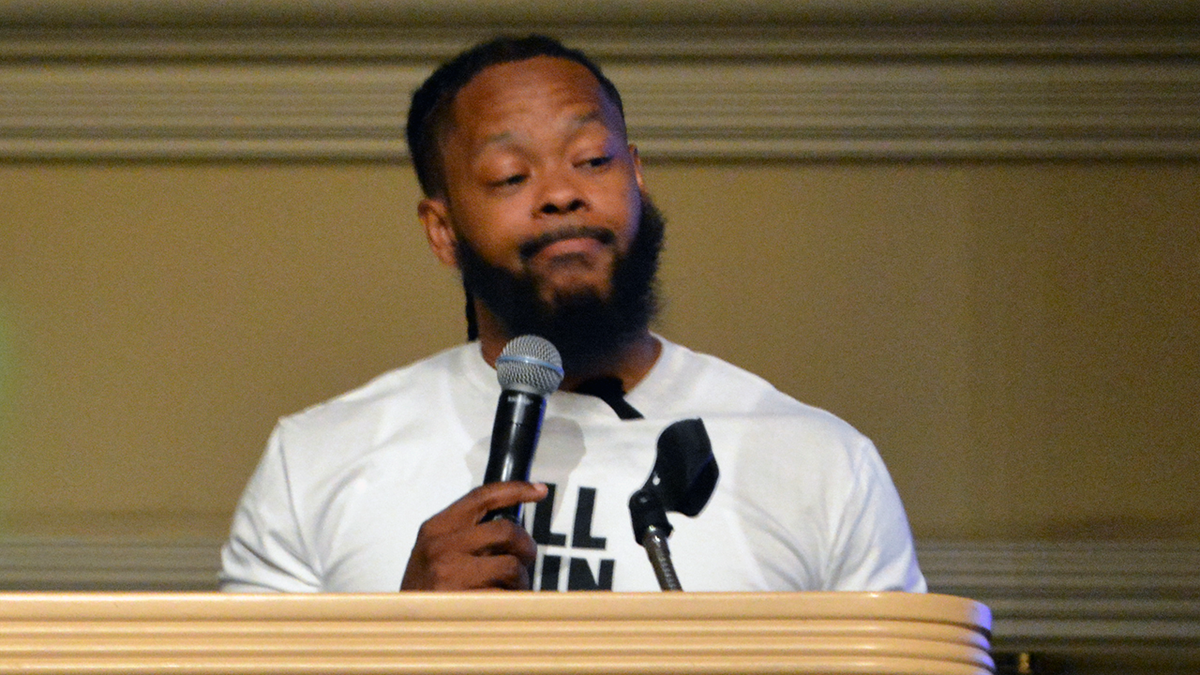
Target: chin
point(575, 285)
point(558, 298)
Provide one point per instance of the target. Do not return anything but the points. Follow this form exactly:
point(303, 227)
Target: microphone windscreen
point(530, 363)
point(686, 469)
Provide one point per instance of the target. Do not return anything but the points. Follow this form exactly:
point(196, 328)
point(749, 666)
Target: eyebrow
point(593, 115)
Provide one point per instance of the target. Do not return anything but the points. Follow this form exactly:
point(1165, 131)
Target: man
point(533, 192)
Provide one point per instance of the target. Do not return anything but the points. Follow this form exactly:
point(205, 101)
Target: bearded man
point(533, 192)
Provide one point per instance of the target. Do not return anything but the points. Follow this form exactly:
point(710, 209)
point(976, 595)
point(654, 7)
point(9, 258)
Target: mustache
point(535, 245)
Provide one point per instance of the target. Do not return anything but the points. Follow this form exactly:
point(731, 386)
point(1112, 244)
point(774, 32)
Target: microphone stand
point(650, 518)
point(655, 543)
point(684, 475)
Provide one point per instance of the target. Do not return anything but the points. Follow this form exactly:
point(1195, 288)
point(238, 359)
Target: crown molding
point(627, 12)
point(692, 91)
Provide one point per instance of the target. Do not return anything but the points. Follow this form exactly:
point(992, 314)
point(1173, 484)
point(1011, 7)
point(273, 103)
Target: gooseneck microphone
point(529, 369)
point(683, 478)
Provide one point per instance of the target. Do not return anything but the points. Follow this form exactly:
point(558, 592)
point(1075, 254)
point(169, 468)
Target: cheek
point(491, 229)
point(629, 210)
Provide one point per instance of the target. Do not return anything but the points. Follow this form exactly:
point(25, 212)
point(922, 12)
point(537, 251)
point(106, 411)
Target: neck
point(630, 364)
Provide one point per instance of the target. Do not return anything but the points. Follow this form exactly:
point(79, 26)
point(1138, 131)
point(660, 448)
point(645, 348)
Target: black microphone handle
point(514, 440)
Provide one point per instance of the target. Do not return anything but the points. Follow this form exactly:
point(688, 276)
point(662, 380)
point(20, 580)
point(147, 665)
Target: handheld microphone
point(529, 369)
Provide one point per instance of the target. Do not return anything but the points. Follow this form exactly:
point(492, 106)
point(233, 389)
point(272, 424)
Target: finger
point(494, 496)
point(463, 573)
point(503, 537)
point(469, 509)
point(503, 572)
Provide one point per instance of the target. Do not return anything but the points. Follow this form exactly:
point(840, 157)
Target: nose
point(560, 195)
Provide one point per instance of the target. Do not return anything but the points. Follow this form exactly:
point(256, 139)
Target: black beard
point(589, 330)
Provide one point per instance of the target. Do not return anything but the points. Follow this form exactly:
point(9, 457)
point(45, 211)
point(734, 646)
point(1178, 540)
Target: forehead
point(542, 86)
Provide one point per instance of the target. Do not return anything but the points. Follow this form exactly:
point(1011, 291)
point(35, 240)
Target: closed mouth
point(539, 243)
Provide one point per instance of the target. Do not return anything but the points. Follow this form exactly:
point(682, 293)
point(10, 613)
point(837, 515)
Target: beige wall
point(1020, 339)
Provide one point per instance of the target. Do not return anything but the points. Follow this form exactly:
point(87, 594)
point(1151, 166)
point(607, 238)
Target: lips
point(567, 241)
point(570, 247)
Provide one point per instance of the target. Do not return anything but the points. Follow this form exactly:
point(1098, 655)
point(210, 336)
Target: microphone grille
point(530, 363)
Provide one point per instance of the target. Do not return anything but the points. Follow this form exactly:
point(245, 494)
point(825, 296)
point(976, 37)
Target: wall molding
point(1104, 602)
point(68, 564)
point(693, 91)
point(608, 12)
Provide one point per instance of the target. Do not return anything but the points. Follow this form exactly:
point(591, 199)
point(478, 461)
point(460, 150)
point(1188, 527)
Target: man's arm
point(269, 551)
point(873, 546)
point(266, 550)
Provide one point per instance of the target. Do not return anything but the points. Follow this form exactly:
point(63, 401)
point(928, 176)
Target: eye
point(509, 181)
point(597, 162)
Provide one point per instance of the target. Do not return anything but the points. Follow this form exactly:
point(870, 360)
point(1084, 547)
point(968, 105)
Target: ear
point(637, 168)
point(434, 214)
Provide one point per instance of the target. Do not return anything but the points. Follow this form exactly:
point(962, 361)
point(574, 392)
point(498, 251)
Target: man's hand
point(455, 552)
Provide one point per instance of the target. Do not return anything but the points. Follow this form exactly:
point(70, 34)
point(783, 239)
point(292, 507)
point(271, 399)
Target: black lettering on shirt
point(543, 516)
point(551, 565)
point(579, 576)
point(579, 570)
point(581, 535)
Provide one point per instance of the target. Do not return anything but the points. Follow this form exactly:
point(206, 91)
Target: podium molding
point(494, 633)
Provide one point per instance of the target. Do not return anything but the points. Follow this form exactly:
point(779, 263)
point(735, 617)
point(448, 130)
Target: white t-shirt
point(803, 501)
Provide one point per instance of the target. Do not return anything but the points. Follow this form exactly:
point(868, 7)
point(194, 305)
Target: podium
point(493, 633)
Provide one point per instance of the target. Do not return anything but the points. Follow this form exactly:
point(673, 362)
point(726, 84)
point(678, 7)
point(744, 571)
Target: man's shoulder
point(395, 390)
point(695, 384)
point(711, 384)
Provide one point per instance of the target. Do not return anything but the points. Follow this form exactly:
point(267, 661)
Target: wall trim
point(1135, 602)
point(782, 92)
point(68, 564)
point(1103, 603)
point(608, 12)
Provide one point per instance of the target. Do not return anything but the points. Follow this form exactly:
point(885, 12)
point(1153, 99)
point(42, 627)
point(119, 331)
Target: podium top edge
point(495, 606)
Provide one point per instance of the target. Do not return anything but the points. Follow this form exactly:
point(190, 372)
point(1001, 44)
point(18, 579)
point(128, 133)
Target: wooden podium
point(583, 632)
